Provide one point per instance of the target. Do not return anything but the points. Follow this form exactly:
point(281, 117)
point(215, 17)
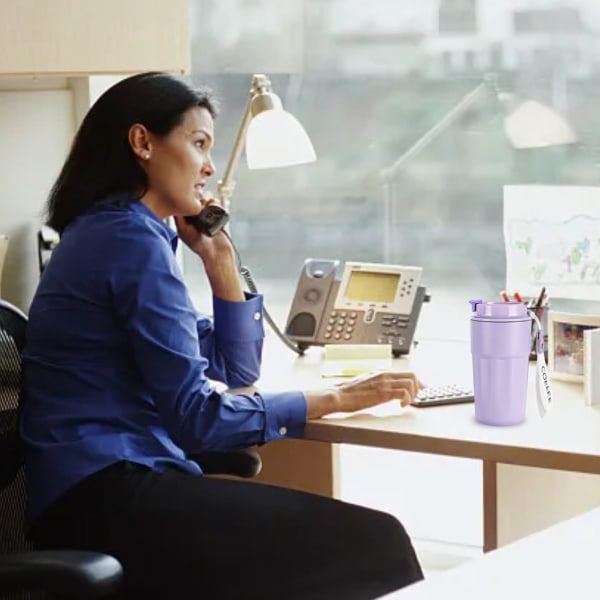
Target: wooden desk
point(568, 439)
point(560, 562)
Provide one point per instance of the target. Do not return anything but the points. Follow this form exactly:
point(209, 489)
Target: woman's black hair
point(101, 161)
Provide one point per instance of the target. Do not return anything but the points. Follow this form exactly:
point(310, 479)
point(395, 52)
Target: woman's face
point(179, 164)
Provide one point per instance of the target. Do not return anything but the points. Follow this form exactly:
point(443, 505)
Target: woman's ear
point(139, 140)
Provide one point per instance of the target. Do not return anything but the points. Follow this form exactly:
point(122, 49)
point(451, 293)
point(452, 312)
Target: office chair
point(24, 572)
point(3, 251)
point(47, 239)
point(74, 574)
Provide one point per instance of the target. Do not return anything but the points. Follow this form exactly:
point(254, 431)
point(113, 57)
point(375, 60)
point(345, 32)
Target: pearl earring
point(146, 156)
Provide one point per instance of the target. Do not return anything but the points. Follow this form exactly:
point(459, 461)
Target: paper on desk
point(551, 237)
point(349, 360)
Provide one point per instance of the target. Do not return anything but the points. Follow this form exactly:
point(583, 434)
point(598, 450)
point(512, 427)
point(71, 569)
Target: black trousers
point(185, 536)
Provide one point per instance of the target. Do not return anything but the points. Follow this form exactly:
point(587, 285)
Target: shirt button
point(282, 430)
point(256, 316)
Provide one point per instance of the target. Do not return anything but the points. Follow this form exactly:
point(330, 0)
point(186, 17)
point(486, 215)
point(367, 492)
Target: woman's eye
point(199, 143)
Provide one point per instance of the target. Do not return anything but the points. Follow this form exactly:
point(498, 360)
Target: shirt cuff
point(285, 415)
point(239, 321)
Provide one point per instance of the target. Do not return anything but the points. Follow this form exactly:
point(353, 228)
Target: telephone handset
point(210, 220)
point(356, 303)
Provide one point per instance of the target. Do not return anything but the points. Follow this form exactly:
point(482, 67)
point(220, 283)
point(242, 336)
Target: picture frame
point(591, 368)
point(566, 344)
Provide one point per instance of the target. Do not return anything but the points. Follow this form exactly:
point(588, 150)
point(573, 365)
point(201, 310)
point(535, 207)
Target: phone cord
point(245, 273)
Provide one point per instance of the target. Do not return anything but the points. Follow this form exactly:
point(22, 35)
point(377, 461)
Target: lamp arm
point(389, 172)
point(226, 185)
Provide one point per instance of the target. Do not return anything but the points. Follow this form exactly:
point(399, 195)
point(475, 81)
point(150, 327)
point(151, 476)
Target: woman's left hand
point(209, 249)
point(218, 256)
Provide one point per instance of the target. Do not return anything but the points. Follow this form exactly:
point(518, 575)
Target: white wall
point(36, 129)
point(38, 119)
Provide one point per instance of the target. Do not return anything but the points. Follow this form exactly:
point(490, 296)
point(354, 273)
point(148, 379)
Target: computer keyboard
point(436, 395)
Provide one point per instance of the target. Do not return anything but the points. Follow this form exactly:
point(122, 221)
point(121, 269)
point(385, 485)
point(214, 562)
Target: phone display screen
point(365, 286)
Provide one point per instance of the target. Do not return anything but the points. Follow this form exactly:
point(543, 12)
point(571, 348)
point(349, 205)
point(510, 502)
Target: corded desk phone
point(361, 303)
point(356, 303)
point(210, 220)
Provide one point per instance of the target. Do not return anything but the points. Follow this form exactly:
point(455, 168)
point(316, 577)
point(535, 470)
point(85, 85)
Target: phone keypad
point(340, 325)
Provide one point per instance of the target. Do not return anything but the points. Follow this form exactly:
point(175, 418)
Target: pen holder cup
point(542, 315)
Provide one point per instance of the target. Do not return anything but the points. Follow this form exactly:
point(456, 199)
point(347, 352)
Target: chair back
point(3, 250)
point(47, 240)
point(12, 474)
point(12, 479)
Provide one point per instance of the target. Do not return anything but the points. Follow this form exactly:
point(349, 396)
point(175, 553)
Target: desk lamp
point(527, 124)
point(274, 137)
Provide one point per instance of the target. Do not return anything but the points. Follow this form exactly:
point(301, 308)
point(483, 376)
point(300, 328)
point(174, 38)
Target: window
point(496, 58)
point(458, 16)
point(446, 203)
point(469, 60)
point(555, 20)
point(446, 57)
point(364, 102)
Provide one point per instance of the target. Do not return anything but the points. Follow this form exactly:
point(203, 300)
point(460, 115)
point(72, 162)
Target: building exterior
point(442, 38)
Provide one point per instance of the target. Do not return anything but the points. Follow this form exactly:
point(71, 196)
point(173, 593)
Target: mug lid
point(512, 311)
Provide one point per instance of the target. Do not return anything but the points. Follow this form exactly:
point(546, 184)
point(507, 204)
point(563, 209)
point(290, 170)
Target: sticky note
point(355, 359)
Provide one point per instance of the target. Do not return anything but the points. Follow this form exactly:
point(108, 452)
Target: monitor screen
point(369, 286)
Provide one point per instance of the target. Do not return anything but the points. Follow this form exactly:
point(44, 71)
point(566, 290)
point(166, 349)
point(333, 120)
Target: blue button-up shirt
point(117, 362)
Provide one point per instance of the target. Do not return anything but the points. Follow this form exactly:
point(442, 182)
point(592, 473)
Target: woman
point(117, 395)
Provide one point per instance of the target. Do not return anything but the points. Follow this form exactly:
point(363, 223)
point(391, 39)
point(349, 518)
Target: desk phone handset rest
point(356, 303)
point(210, 220)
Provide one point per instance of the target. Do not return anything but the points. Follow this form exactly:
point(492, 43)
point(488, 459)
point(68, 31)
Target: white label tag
point(543, 389)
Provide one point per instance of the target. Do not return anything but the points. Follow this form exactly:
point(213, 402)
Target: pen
point(518, 297)
point(538, 304)
point(504, 296)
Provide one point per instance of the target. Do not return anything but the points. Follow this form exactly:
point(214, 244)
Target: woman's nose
point(208, 168)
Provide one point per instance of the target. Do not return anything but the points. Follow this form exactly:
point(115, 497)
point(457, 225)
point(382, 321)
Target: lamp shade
point(534, 125)
point(275, 138)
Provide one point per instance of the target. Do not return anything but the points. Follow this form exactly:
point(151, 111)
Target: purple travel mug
point(500, 345)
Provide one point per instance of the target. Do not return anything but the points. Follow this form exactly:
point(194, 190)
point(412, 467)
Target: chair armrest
point(73, 573)
point(242, 463)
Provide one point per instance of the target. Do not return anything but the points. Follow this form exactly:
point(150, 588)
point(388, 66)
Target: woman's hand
point(209, 249)
point(362, 392)
point(218, 257)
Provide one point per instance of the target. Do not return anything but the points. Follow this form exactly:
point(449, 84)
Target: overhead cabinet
point(76, 37)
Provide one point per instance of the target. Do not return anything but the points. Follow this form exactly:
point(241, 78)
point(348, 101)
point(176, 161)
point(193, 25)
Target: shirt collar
point(137, 206)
